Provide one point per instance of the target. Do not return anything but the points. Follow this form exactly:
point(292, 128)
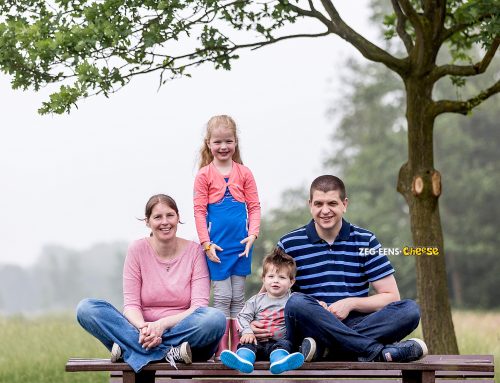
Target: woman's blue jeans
point(202, 329)
point(358, 337)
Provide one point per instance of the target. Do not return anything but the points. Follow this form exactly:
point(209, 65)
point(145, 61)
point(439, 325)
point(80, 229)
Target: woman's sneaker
point(308, 349)
point(116, 353)
point(180, 354)
point(406, 351)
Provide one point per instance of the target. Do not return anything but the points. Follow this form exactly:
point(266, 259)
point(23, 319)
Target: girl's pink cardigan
point(210, 186)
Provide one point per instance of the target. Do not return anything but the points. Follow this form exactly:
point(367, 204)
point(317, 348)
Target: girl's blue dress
point(227, 222)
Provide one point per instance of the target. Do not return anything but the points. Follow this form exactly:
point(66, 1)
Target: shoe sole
point(291, 362)
point(116, 353)
point(310, 355)
point(231, 360)
point(423, 345)
point(186, 353)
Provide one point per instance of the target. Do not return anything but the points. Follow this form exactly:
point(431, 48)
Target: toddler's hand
point(248, 338)
point(248, 241)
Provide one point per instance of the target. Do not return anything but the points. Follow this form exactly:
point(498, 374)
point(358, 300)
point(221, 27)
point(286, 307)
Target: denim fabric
point(358, 337)
point(264, 349)
point(202, 329)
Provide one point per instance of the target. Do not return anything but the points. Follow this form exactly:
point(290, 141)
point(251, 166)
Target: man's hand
point(341, 308)
point(248, 338)
point(260, 332)
point(323, 304)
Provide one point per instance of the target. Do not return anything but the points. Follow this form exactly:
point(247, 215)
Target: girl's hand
point(211, 254)
point(249, 242)
point(248, 338)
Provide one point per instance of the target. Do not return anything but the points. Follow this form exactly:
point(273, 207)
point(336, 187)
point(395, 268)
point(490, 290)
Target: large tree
point(99, 46)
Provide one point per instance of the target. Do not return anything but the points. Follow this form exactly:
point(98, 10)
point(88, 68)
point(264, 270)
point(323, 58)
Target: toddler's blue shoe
point(241, 360)
point(282, 361)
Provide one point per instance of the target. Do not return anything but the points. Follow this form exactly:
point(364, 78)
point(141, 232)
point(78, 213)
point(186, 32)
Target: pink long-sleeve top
point(210, 186)
point(159, 288)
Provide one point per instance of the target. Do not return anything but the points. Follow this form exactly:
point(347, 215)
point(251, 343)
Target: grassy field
point(36, 349)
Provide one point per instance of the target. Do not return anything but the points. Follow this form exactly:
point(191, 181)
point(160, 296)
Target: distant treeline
point(62, 277)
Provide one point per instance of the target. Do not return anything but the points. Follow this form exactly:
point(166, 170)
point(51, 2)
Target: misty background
point(73, 186)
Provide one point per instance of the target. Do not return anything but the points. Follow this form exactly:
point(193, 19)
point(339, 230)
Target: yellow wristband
point(208, 246)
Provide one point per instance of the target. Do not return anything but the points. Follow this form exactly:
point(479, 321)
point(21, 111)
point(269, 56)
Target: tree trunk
point(420, 184)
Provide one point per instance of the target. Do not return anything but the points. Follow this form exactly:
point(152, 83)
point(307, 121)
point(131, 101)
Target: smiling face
point(277, 282)
point(327, 210)
point(163, 222)
point(222, 145)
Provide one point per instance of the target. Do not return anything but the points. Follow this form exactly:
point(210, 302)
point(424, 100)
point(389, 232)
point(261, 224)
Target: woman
point(165, 291)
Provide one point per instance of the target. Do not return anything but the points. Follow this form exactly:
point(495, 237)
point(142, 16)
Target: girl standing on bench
point(227, 215)
point(165, 292)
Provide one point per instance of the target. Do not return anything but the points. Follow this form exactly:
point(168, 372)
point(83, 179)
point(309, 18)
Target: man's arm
point(386, 291)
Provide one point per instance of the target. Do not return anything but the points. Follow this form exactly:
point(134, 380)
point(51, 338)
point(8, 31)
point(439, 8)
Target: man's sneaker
point(406, 351)
point(308, 349)
point(116, 353)
point(180, 353)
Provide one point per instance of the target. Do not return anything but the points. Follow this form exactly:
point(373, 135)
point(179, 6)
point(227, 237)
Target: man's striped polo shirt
point(340, 270)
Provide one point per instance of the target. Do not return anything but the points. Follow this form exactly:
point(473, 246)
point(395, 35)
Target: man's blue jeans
point(358, 337)
point(203, 329)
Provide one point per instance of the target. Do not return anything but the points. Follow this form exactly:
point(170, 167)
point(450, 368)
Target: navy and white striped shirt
point(333, 272)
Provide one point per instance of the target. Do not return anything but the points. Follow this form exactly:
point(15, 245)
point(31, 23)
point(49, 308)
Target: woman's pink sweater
point(159, 288)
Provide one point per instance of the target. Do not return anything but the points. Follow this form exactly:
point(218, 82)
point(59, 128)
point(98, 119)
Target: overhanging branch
point(365, 47)
point(464, 107)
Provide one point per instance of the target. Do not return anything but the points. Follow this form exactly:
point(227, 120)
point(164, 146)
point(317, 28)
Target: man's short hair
point(281, 260)
point(328, 183)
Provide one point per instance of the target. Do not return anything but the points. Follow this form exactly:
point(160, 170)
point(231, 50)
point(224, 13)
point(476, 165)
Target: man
point(337, 262)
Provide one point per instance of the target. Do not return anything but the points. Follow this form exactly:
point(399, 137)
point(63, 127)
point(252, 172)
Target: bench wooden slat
point(210, 368)
point(428, 370)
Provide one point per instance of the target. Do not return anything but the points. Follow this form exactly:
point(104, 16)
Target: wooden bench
point(433, 368)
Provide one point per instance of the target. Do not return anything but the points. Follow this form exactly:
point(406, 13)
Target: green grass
point(36, 349)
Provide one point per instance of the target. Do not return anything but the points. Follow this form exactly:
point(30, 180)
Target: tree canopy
point(96, 47)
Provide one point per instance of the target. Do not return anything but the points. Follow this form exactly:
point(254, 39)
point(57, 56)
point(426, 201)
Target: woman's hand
point(248, 242)
point(211, 254)
point(150, 334)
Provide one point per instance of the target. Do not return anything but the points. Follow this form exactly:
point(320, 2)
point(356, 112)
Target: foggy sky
point(83, 178)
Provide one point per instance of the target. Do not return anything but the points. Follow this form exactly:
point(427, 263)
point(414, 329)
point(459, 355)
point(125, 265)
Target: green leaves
point(72, 41)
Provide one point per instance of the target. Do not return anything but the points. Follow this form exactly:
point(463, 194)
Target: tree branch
point(411, 14)
point(447, 33)
point(467, 70)
point(464, 107)
point(313, 12)
point(401, 26)
point(364, 46)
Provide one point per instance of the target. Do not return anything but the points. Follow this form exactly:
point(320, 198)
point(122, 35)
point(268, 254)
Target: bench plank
point(426, 370)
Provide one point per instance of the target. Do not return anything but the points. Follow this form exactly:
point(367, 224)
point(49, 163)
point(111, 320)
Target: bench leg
point(140, 377)
point(418, 376)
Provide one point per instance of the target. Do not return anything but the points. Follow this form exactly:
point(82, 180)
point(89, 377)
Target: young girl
point(227, 215)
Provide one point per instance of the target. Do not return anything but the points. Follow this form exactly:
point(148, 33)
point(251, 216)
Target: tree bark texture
point(432, 289)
